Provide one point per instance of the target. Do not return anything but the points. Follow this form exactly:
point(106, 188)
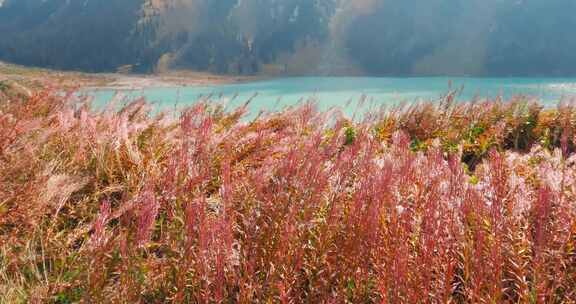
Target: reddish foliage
point(297, 206)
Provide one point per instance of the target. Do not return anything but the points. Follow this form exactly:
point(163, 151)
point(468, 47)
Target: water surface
point(346, 92)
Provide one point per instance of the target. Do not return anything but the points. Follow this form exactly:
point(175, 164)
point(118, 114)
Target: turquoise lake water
point(346, 92)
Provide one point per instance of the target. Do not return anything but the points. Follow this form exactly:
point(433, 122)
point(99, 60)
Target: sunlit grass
point(445, 202)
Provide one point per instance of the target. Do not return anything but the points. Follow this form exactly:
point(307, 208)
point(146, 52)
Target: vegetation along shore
point(434, 202)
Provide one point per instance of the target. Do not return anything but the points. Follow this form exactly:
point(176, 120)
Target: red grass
point(460, 203)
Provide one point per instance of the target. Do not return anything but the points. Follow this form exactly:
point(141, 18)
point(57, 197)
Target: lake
point(346, 92)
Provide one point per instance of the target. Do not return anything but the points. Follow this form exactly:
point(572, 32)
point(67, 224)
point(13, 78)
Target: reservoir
point(346, 93)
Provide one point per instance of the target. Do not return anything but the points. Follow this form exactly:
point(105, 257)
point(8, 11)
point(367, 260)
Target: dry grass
point(462, 203)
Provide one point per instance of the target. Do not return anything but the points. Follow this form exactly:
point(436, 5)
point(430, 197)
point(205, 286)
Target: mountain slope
point(373, 37)
point(87, 35)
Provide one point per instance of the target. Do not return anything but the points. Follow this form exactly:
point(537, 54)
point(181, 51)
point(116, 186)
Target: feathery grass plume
point(148, 208)
point(99, 235)
point(450, 202)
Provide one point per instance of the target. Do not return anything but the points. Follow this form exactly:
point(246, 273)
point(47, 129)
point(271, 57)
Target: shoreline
point(31, 76)
point(123, 82)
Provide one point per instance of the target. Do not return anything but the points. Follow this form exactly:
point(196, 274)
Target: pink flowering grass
point(429, 203)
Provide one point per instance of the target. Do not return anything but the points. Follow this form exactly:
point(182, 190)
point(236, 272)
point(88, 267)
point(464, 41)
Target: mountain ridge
point(294, 37)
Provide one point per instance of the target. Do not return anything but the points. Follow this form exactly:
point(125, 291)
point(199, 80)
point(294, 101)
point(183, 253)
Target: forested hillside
point(373, 37)
point(86, 35)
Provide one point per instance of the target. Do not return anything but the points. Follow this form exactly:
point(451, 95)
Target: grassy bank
point(447, 202)
point(38, 77)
